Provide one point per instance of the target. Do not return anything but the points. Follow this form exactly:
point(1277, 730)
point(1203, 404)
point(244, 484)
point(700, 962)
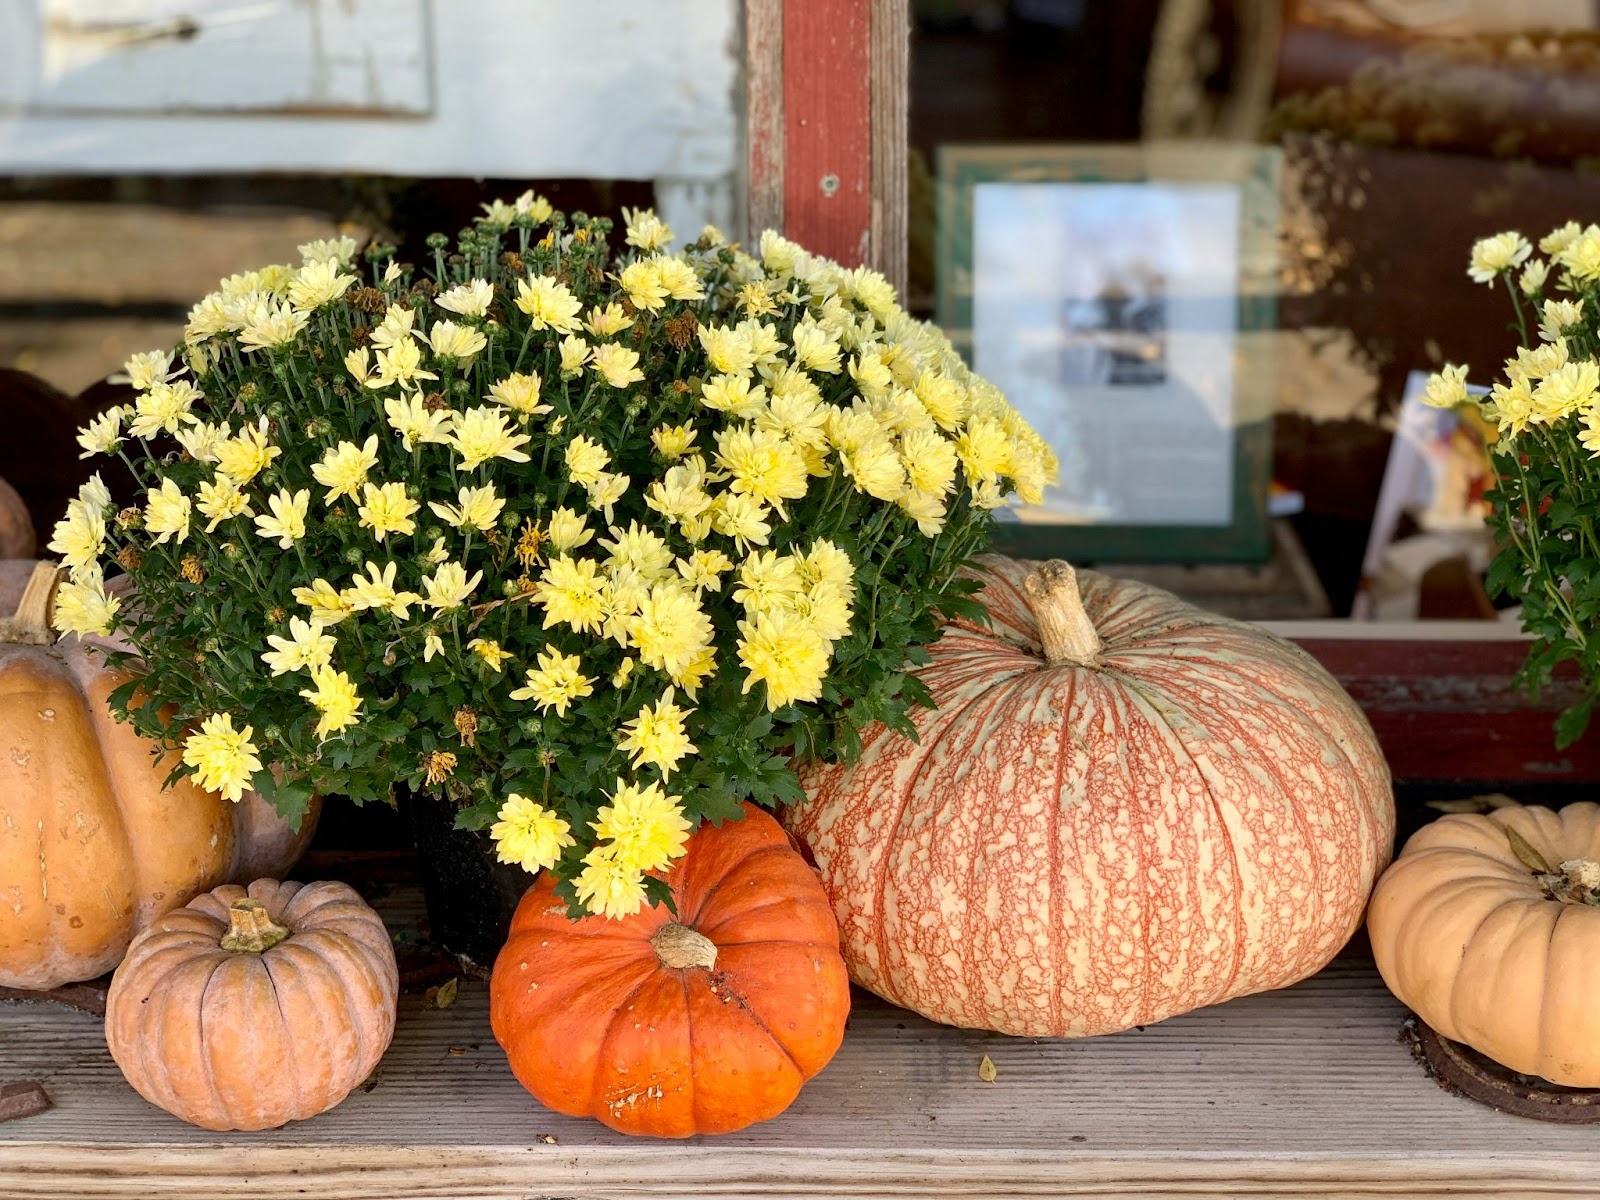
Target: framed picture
point(1124, 298)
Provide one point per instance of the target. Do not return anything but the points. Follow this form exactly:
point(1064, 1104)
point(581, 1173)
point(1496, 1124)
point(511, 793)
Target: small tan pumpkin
point(17, 538)
point(1486, 926)
point(92, 846)
point(1123, 808)
point(250, 1008)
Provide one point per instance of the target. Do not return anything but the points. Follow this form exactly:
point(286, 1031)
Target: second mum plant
point(587, 544)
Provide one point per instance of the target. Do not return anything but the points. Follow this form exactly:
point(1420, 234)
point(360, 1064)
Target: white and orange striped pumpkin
point(1122, 808)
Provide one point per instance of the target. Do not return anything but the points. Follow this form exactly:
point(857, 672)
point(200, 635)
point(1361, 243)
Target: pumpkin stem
point(250, 929)
point(680, 948)
point(1064, 628)
point(31, 624)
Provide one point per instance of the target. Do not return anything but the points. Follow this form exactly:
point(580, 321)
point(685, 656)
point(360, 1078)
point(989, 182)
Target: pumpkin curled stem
point(681, 948)
point(31, 624)
point(1066, 631)
point(251, 930)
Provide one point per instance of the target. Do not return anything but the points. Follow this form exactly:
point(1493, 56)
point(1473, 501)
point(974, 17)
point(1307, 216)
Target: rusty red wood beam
point(1445, 711)
point(826, 126)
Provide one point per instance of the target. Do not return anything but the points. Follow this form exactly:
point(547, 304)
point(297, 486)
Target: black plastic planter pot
point(470, 896)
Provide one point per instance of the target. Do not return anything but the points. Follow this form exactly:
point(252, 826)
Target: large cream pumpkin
point(1497, 949)
point(92, 847)
point(1122, 808)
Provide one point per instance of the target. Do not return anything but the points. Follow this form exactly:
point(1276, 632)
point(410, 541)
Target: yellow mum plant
point(594, 543)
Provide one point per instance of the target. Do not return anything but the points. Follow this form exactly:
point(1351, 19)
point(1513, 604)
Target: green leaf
point(1573, 721)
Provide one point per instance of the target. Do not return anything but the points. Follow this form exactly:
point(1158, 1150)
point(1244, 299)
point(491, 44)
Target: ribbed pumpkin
point(701, 1023)
point(1497, 949)
point(249, 1008)
point(1123, 808)
point(16, 525)
point(92, 847)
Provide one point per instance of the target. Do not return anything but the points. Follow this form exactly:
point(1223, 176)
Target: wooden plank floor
point(1305, 1092)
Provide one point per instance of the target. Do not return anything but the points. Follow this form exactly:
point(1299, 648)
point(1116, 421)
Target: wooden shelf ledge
point(1304, 1092)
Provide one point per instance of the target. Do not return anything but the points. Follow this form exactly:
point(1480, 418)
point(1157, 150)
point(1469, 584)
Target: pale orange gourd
point(701, 1023)
point(92, 847)
point(249, 1008)
point(1486, 951)
point(16, 525)
point(1123, 808)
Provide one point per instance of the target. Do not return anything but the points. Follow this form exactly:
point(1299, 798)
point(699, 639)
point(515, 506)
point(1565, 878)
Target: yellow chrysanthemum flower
point(221, 499)
point(410, 417)
point(396, 328)
point(645, 827)
point(333, 694)
point(813, 348)
point(448, 587)
point(519, 393)
point(1581, 256)
point(703, 570)
point(103, 434)
point(558, 681)
point(400, 364)
point(574, 353)
point(79, 537)
point(318, 284)
point(567, 530)
point(984, 450)
point(762, 464)
point(143, 371)
point(646, 230)
point(605, 491)
point(306, 648)
point(549, 302)
point(471, 299)
point(163, 409)
point(386, 509)
point(82, 605)
point(243, 457)
point(641, 549)
point(201, 441)
point(458, 342)
point(274, 325)
point(327, 604)
point(224, 759)
point(742, 518)
point(343, 469)
point(529, 834)
point(1447, 388)
point(608, 888)
point(672, 442)
point(767, 580)
point(376, 589)
point(571, 592)
point(875, 468)
point(657, 736)
point(784, 652)
point(1493, 255)
point(491, 651)
point(166, 513)
point(1567, 390)
point(733, 394)
point(929, 460)
point(477, 508)
point(608, 321)
point(585, 460)
point(669, 629)
point(617, 365)
point(481, 433)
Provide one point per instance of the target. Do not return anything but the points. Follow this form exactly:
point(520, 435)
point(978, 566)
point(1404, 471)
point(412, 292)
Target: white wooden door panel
point(161, 56)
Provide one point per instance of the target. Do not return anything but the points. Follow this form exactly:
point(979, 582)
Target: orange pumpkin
point(1496, 943)
point(92, 846)
point(249, 1008)
point(701, 1023)
point(1122, 808)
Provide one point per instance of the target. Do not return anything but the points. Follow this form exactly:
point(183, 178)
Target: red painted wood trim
point(1446, 711)
point(827, 127)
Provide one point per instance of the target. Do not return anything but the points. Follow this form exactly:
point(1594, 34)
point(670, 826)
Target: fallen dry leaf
point(444, 995)
point(986, 1070)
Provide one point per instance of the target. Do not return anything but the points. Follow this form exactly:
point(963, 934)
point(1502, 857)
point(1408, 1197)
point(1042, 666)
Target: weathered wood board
point(1306, 1092)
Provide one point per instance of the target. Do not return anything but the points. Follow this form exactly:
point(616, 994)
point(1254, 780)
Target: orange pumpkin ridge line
point(705, 900)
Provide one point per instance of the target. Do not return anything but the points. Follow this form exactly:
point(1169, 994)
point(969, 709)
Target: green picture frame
point(1255, 172)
